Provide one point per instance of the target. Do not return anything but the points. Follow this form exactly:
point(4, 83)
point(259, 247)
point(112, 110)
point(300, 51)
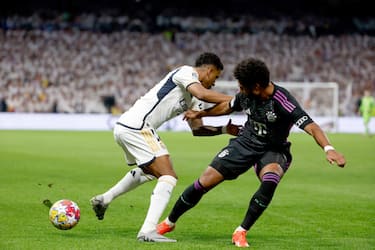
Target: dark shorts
point(238, 157)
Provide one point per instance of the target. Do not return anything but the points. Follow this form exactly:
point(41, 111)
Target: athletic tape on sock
point(168, 179)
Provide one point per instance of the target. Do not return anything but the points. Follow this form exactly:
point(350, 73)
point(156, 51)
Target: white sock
point(159, 201)
point(170, 223)
point(239, 228)
point(131, 180)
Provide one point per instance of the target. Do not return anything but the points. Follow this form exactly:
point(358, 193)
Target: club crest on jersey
point(223, 153)
point(271, 116)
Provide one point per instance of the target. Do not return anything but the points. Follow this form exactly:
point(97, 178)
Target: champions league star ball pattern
point(64, 214)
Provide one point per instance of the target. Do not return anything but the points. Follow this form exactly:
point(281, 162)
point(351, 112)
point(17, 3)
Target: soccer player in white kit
point(135, 131)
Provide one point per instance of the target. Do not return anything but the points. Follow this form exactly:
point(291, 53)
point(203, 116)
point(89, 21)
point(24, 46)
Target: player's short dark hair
point(210, 59)
point(251, 71)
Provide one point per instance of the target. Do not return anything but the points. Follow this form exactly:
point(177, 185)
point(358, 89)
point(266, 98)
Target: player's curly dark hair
point(251, 71)
point(209, 58)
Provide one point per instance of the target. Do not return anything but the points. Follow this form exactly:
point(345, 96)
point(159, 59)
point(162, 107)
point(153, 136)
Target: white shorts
point(140, 146)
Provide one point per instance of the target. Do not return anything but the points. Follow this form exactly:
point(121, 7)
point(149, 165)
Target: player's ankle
point(169, 223)
point(239, 228)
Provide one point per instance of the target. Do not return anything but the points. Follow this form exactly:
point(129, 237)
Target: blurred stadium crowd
point(102, 62)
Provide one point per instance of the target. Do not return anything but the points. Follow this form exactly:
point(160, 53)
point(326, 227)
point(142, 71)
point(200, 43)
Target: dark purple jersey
point(269, 121)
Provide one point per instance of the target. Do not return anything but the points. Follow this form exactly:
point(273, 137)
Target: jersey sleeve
point(301, 118)
point(235, 103)
point(186, 76)
point(290, 107)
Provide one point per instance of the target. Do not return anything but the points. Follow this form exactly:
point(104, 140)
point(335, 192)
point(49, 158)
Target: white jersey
point(164, 101)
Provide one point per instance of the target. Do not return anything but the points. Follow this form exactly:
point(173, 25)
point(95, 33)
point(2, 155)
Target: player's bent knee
point(274, 168)
point(168, 179)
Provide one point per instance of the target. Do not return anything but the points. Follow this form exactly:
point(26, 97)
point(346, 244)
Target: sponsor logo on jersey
point(301, 120)
point(260, 128)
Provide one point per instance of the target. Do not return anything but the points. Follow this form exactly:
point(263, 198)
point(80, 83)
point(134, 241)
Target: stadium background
point(320, 7)
point(318, 206)
point(44, 73)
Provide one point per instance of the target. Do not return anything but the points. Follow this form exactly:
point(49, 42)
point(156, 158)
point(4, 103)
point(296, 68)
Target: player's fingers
point(330, 160)
point(341, 163)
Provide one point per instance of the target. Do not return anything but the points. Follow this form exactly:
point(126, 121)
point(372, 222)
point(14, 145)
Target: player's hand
point(233, 129)
point(191, 114)
point(335, 157)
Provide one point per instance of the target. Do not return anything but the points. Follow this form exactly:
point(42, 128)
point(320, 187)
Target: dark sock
point(261, 199)
point(189, 198)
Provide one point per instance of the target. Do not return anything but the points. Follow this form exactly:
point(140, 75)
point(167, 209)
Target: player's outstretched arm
point(321, 138)
point(199, 129)
point(207, 95)
point(222, 108)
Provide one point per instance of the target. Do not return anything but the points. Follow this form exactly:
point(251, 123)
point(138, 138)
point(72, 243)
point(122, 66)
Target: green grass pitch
point(316, 206)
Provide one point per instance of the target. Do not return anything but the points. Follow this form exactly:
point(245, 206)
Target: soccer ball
point(64, 214)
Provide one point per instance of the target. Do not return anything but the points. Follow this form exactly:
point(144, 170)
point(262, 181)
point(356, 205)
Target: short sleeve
point(186, 76)
point(235, 103)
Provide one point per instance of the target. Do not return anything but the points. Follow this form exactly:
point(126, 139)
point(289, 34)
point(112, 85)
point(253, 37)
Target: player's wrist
point(328, 148)
point(201, 114)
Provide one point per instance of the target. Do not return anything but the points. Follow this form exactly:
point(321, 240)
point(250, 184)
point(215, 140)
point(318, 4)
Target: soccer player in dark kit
point(271, 111)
